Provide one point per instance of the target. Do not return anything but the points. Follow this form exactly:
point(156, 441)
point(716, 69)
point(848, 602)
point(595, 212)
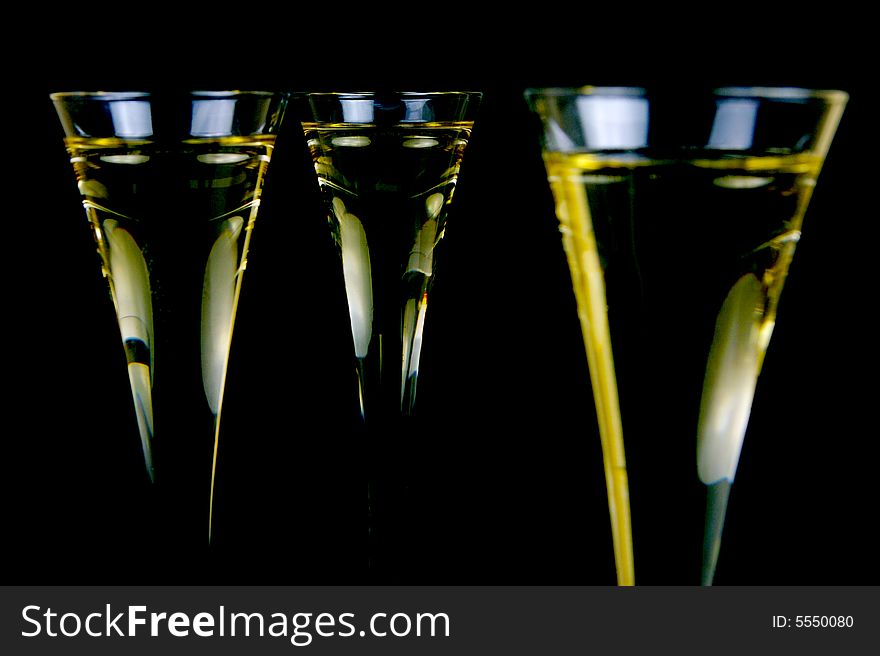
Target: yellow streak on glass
point(588, 281)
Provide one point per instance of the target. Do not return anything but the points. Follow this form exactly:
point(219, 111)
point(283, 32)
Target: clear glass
point(387, 166)
point(171, 186)
point(679, 213)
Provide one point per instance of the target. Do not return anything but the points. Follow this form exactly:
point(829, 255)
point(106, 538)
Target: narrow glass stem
point(387, 403)
point(716, 510)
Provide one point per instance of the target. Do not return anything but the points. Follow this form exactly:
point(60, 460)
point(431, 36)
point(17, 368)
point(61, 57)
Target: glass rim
point(133, 95)
point(374, 94)
point(755, 92)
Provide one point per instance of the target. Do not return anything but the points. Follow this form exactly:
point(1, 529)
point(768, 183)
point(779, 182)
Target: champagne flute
point(171, 186)
point(680, 213)
point(387, 166)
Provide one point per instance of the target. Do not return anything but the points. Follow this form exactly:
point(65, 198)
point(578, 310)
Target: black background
point(505, 467)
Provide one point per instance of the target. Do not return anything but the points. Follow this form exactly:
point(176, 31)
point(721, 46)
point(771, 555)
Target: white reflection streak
point(357, 110)
point(421, 260)
point(421, 255)
point(358, 277)
point(134, 311)
point(413, 328)
point(417, 110)
point(731, 377)
point(734, 124)
point(218, 306)
point(558, 138)
point(131, 118)
point(213, 117)
point(614, 123)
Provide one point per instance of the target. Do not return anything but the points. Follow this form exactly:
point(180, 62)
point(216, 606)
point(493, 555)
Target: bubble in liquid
point(222, 158)
point(742, 181)
point(351, 141)
point(125, 159)
point(420, 142)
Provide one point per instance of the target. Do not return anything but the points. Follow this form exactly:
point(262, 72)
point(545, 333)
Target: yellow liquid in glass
point(753, 205)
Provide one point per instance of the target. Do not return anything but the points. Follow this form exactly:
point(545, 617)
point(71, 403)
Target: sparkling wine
point(387, 165)
point(388, 188)
point(677, 267)
point(172, 225)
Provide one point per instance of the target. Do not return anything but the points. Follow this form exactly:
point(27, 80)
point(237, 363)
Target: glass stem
point(716, 509)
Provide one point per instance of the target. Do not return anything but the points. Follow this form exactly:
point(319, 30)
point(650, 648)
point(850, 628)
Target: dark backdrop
point(505, 467)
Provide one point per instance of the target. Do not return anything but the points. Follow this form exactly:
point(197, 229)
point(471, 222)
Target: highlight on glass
point(171, 186)
point(387, 165)
point(680, 213)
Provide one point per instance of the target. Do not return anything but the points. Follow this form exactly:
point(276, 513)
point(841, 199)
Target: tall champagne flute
point(387, 165)
point(171, 186)
point(679, 213)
